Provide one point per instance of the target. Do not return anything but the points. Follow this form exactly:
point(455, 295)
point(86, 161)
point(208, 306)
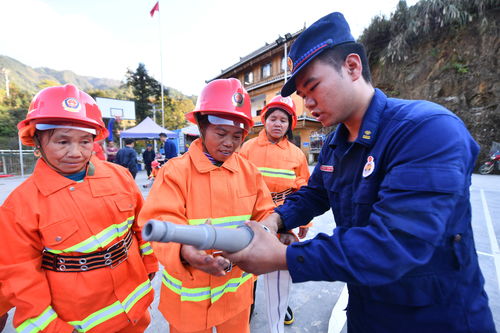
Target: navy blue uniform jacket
point(127, 157)
point(403, 238)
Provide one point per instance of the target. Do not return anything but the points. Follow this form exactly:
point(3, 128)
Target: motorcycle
point(489, 166)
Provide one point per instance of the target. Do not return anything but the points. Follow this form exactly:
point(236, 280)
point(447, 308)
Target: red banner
point(156, 8)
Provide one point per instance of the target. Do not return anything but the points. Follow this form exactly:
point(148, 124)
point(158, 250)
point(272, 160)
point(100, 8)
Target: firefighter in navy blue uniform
point(396, 174)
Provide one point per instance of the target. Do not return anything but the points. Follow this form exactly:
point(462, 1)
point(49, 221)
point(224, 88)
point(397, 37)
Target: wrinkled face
point(276, 125)
point(222, 140)
point(326, 92)
point(67, 150)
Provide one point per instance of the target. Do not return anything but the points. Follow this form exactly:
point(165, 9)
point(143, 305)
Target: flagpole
point(161, 71)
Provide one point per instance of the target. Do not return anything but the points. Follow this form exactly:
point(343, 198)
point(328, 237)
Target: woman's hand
point(303, 232)
point(207, 263)
point(287, 238)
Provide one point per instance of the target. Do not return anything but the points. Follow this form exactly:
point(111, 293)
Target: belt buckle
point(116, 245)
point(122, 259)
point(124, 251)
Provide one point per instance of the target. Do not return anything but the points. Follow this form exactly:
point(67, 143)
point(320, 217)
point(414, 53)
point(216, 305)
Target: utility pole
point(5, 72)
point(154, 119)
point(284, 40)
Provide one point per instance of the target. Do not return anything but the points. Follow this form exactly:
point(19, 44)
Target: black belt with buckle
point(111, 257)
point(281, 196)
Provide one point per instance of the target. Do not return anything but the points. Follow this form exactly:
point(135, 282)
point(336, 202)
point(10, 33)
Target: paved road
point(313, 301)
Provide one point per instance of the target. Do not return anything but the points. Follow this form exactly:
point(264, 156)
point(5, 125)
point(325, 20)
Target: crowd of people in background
point(128, 156)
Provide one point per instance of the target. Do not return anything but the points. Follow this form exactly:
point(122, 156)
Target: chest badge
point(369, 166)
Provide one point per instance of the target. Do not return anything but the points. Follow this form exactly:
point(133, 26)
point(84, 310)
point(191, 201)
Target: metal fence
point(10, 162)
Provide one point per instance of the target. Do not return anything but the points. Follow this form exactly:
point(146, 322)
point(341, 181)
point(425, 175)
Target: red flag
point(156, 8)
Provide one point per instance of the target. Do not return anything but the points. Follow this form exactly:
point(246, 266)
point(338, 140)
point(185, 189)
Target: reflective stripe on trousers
point(100, 240)
point(203, 293)
point(114, 309)
point(279, 173)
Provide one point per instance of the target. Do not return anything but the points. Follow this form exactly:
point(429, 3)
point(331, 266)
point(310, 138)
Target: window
point(265, 70)
point(248, 78)
point(257, 102)
point(283, 63)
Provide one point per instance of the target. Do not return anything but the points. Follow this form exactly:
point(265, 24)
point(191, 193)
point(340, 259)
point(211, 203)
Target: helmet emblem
point(238, 99)
point(286, 100)
point(290, 64)
point(71, 104)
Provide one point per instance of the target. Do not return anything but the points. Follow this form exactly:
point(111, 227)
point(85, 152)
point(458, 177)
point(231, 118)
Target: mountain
point(28, 78)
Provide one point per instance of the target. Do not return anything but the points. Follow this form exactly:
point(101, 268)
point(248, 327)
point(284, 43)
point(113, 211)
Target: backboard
point(112, 108)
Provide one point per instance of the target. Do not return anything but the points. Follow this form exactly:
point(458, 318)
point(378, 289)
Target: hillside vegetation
point(137, 86)
point(446, 51)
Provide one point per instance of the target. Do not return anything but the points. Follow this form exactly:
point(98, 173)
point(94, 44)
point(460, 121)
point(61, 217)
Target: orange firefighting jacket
point(49, 212)
point(188, 190)
point(283, 164)
point(5, 305)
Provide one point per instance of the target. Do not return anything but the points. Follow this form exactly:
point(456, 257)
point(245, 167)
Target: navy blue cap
point(327, 32)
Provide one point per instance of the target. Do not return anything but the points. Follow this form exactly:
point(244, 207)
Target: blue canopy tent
point(147, 129)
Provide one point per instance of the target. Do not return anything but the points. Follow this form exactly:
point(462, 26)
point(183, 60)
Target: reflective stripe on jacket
point(49, 211)
point(189, 190)
point(283, 164)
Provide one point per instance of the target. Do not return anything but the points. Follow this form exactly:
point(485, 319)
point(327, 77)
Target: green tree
point(175, 109)
point(17, 98)
point(13, 109)
point(145, 90)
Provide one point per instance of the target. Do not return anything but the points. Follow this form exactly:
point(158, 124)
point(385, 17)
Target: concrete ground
point(313, 302)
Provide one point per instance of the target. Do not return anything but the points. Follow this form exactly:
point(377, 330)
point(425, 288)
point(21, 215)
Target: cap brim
point(289, 87)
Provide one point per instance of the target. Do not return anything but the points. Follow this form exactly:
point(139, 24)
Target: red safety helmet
point(283, 103)
point(62, 105)
point(224, 97)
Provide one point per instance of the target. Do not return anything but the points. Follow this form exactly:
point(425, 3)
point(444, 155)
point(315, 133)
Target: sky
point(198, 38)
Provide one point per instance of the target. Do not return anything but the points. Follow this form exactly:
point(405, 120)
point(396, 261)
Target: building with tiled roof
point(263, 74)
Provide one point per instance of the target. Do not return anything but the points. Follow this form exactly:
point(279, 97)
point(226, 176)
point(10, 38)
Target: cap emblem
point(290, 64)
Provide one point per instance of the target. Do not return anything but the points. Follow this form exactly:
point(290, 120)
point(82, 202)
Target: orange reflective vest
point(49, 212)
point(188, 190)
point(283, 164)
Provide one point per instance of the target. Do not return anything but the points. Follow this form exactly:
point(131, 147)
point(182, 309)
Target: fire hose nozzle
point(203, 236)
